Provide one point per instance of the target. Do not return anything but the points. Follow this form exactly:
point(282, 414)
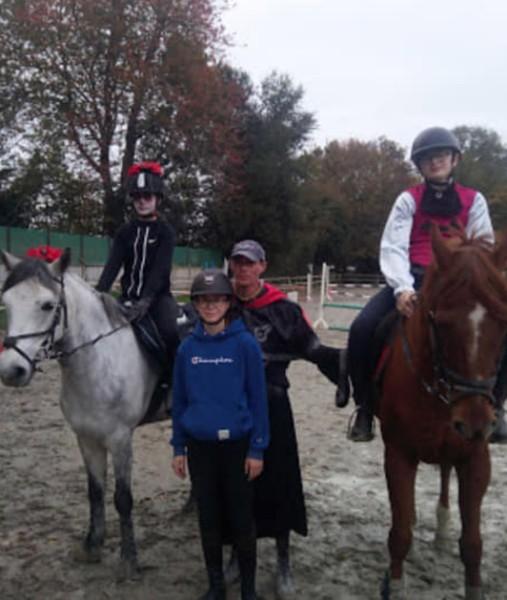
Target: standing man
point(284, 334)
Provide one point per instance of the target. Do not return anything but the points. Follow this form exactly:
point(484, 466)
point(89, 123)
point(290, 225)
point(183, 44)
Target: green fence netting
point(94, 250)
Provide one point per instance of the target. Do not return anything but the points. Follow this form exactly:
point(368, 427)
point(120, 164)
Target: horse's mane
point(471, 270)
point(113, 311)
point(110, 305)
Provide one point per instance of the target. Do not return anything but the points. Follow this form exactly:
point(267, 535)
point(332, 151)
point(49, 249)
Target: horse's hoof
point(443, 544)
point(190, 506)
point(284, 587)
point(393, 589)
point(80, 553)
point(128, 570)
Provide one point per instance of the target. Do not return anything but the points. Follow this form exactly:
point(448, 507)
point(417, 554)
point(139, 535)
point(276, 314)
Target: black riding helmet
point(211, 281)
point(145, 178)
point(433, 138)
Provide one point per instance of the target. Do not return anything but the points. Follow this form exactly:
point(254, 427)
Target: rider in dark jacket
point(144, 248)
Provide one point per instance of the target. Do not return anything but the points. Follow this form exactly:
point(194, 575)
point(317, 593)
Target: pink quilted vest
point(420, 236)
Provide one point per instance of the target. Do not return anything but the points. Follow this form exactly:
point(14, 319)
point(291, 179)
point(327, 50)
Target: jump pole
point(321, 321)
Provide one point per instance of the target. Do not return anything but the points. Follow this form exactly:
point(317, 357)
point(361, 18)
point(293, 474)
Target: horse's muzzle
point(14, 371)
point(474, 419)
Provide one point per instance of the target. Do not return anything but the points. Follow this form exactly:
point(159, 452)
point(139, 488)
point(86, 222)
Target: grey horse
point(107, 381)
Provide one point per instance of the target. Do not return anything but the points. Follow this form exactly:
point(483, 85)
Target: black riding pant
point(164, 311)
point(222, 489)
point(361, 339)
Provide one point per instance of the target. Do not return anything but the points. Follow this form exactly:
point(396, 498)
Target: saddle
point(154, 348)
point(150, 340)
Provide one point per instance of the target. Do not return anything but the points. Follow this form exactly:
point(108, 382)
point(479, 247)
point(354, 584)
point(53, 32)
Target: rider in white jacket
point(405, 252)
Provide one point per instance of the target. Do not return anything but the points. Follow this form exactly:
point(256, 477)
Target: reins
point(447, 384)
point(48, 351)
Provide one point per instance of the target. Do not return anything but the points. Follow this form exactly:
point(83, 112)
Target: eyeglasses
point(211, 300)
point(435, 155)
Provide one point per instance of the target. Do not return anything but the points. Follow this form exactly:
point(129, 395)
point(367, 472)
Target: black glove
point(138, 309)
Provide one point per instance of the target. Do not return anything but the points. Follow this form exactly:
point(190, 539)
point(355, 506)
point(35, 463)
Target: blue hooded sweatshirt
point(219, 389)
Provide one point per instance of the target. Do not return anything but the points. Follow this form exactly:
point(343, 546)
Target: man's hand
point(405, 302)
point(138, 309)
point(253, 467)
point(179, 465)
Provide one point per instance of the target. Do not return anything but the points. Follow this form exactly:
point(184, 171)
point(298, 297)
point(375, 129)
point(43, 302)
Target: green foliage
point(484, 167)
point(260, 200)
point(347, 199)
point(100, 76)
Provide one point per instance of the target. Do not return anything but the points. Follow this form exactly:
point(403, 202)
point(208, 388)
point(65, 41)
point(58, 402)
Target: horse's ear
point(441, 252)
point(59, 266)
point(500, 253)
point(9, 260)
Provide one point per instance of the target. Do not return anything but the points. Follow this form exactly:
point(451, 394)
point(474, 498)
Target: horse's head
point(464, 302)
point(35, 303)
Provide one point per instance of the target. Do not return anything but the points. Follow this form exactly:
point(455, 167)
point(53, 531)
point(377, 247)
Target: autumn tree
point(348, 197)
point(101, 75)
point(483, 166)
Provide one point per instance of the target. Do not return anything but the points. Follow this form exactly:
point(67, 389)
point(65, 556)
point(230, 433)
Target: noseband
point(447, 384)
point(47, 346)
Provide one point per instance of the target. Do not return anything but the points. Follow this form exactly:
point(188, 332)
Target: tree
point(483, 166)
point(348, 197)
point(100, 75)
point(260, 198)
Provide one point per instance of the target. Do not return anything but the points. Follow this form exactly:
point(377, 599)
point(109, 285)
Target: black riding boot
point(212, 550)
point(362, 428)
point(247, 559)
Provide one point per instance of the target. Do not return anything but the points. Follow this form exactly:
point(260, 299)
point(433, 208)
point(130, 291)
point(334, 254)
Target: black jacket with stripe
point(144, 249)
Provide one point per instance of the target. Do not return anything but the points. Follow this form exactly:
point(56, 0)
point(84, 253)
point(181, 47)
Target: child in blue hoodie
point(220, 424)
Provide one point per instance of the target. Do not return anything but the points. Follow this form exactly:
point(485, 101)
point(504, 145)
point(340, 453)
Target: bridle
point(48, 349)
point(447, 384)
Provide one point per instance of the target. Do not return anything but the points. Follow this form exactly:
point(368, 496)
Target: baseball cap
point(249, 249)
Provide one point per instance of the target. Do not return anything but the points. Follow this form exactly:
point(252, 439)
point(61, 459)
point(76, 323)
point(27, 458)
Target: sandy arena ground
point(44, 511)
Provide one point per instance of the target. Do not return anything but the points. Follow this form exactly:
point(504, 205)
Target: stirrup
point(350, 427)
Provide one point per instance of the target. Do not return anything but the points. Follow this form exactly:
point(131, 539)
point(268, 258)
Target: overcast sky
point(381, 67)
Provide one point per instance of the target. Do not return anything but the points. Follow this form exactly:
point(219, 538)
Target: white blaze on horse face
point(476, 318)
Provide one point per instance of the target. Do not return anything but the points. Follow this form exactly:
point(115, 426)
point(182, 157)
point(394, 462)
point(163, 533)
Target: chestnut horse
point(435, 402)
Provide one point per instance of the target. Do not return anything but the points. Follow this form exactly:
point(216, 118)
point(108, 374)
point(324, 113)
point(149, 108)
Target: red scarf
point(271, 294)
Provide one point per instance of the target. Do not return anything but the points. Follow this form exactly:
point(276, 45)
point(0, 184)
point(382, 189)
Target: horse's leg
point(231, 573)
point(121, 450)
point(190, 504)
point(284, 582)
point(95, 459)
point(400, 475)
point(442, 534)
point(473, 478)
